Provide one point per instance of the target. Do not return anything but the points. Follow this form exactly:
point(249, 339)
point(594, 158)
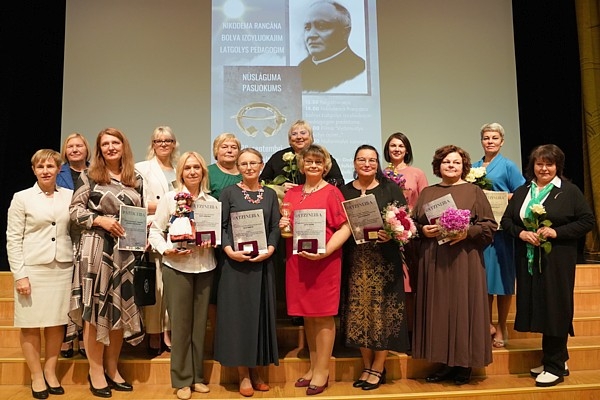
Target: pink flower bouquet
point(398, 224)
point(453, 221)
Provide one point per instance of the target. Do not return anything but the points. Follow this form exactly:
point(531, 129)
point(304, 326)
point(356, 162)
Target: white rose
point(470, 176)
point(390, 215)
point(478, 172)
point(289, 156)
point(538, 209)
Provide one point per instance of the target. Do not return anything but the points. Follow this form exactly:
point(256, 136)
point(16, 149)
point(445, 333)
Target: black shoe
point(463, 375)
point(360, 382)
point(57, 390)
point(82, 352)
point(102, 392)
point(69, 352)
point(43, 394)
point(371, 386)
point(119, 386)
point(443, 374)
point(152, 351)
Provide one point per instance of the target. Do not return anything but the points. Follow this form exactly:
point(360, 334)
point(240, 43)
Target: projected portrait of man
point(330, 62)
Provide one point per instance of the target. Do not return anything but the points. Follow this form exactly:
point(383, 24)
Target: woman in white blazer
point(40, 254)
point(158, 173)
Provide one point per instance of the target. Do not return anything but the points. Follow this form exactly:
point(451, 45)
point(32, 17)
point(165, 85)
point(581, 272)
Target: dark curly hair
point(443, 151)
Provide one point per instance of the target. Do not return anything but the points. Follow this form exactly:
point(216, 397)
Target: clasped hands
point(533, 238)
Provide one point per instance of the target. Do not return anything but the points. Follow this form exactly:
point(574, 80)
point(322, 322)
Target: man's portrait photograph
point(329, 45)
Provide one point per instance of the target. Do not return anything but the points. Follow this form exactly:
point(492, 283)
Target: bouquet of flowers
point(290, 171)
point(395, 177)
point(398, 224)
point(453, 222)
point(477, 176)
point(533, 223)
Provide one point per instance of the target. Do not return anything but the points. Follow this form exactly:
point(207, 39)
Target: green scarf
point(529, 214)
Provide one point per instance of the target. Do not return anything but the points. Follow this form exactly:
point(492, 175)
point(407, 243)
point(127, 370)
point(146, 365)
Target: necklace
point(306, 194)
point(249, 199)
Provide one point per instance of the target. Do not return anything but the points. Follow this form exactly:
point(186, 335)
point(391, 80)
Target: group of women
point(435, 300)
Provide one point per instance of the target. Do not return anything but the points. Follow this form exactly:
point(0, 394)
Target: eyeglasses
point(371, 161)
point(163, 141)
point(318, 163)
point(253, 164)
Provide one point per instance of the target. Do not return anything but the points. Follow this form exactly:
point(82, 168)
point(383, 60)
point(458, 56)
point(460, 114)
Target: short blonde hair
point(301, 124)
point(167, 131)
point(222, 138)
point(317, 151)
point(204, 186)
point(85, 143)
point(46, 154)
point(492, 127)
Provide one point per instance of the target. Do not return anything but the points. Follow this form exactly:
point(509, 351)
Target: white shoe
point(200, 388)
point(184, 393)
point(538, 370)
point(546, 379)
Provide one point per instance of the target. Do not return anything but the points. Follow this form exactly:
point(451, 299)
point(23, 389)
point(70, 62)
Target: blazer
point(35, 233)
point(155, 182)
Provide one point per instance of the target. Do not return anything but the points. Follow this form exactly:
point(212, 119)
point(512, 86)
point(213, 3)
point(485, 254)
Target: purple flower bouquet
point(453, 222)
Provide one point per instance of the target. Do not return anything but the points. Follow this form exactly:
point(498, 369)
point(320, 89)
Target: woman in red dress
point(313, 280)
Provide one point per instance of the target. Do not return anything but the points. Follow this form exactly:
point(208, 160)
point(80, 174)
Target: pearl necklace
point(249, 199)
point(305, 194)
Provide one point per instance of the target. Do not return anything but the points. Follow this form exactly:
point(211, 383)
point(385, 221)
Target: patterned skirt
point(102, 289)
point(374, 309)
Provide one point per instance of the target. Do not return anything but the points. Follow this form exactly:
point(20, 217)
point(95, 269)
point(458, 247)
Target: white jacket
point(37, 231)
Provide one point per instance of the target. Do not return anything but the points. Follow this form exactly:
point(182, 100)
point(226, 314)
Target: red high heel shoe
point(311, 390)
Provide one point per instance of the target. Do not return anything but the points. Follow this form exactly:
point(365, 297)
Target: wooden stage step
point(580, 385)
point(507, 378)
point(516, 358)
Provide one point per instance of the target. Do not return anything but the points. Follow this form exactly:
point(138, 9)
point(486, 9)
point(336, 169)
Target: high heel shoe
point(118, 386)
point(370, 386)
point(42, 394)
point(301, 382)
point(311, 390)
point(56, 390)
point(102, 392)
point(154, 351)
point(360, 382)
point(69, 352)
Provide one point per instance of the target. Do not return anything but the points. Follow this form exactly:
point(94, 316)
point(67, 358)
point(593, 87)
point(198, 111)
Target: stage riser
point(157, 371)
point(522, 352)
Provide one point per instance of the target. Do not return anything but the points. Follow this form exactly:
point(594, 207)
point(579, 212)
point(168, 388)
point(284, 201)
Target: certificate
point(248, 228)
point(498, 201)
point(435, 208)
point(133, 220)
point(364, 217)
point(207, 215)
point(309, 231)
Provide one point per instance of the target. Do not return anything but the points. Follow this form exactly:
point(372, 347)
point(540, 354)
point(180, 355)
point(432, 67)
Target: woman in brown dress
point(452, 317)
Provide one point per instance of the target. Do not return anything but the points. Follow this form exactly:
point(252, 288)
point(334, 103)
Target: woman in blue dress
point(499, 255)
